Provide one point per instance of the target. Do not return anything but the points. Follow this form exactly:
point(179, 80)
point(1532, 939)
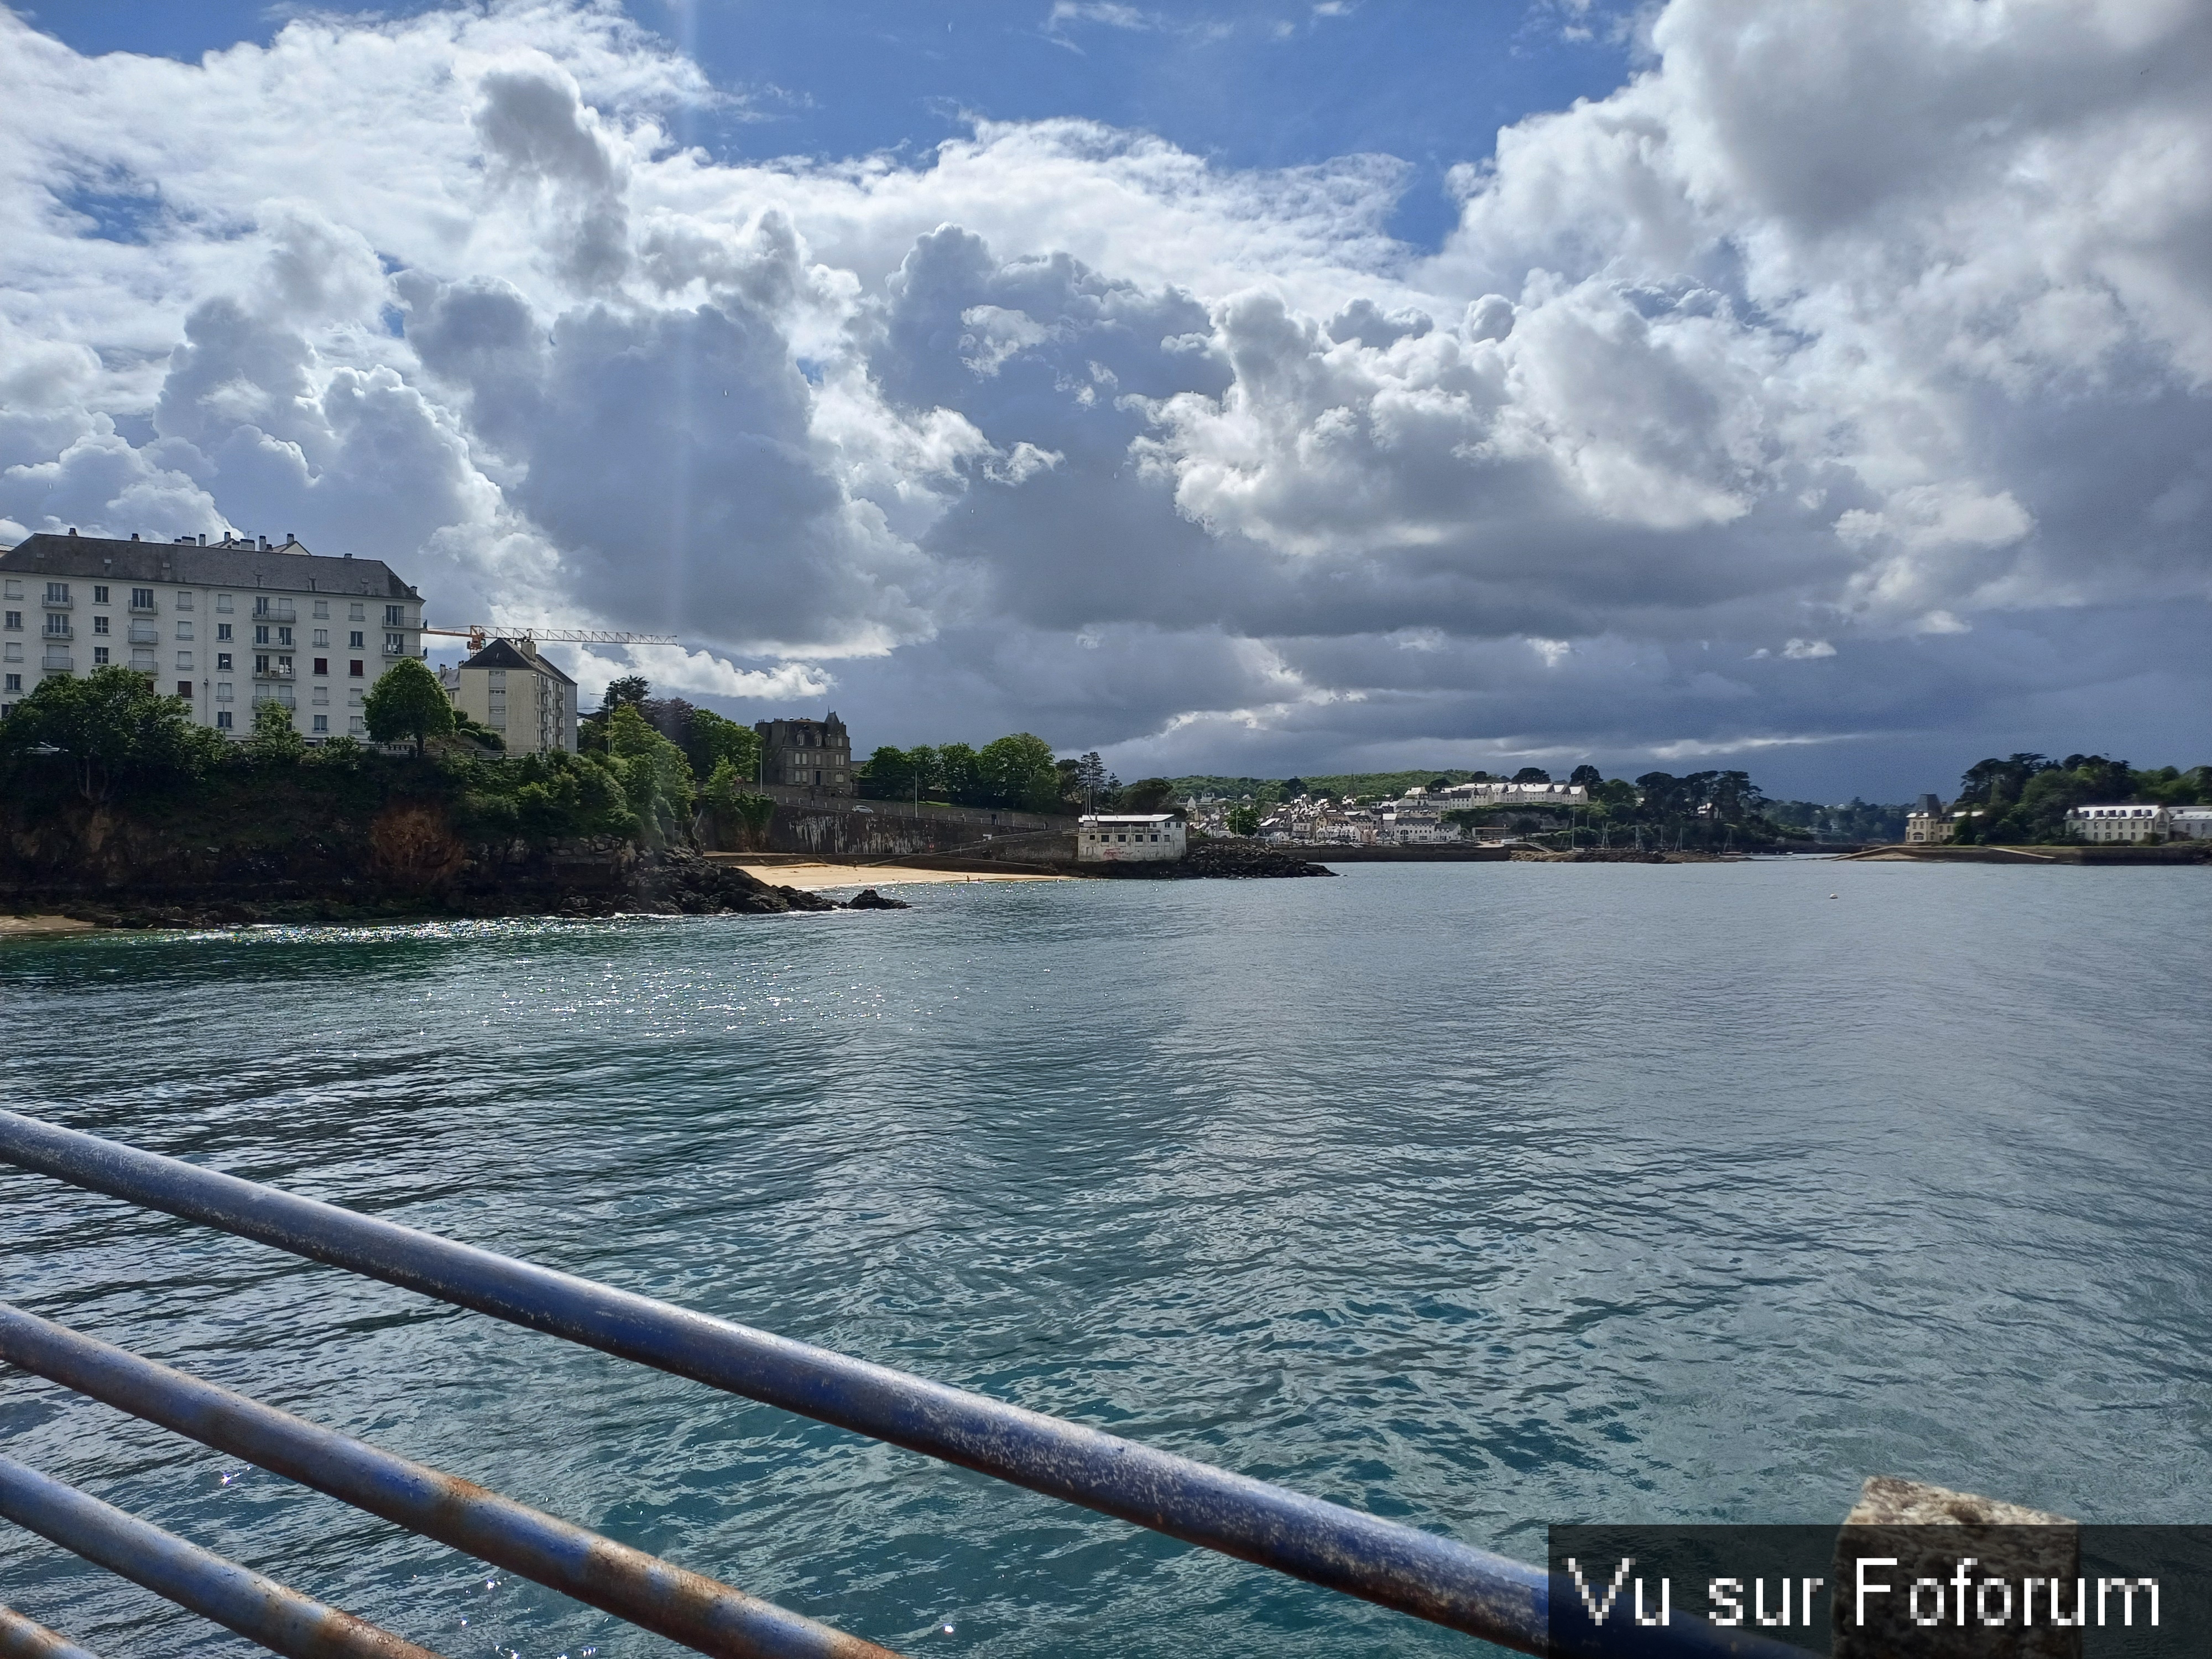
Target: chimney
point(134, 535)
point(203, 538)
point(72, 529)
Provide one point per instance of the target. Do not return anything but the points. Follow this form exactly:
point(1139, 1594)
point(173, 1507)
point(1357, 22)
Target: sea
point(1483, 1197)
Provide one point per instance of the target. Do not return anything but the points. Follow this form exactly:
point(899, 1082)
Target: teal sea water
point(1481, 1196)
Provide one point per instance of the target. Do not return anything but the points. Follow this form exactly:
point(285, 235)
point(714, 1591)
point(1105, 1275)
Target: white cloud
point(1890, 328)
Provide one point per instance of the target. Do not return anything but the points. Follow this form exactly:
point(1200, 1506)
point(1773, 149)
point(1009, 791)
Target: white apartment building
point(2130, 822)
point(523, 696)
point(1126, 837)
point(1498, 792)
point(225, 627)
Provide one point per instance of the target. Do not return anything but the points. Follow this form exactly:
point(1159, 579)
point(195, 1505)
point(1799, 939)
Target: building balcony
point(274, 670)
point(53, 604)
point(64, 632)
point(144, 634)
point(142, 610)
point(280, 694)
point(268, 611)
point(57, 662)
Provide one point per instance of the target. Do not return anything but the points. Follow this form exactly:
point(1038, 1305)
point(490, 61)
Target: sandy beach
point(813, 878)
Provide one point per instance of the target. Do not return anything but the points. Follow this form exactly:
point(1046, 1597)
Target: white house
point(1126, 837)
point(2132, 822)
point(2189, 823)
point(224, 627)
point(520, 695)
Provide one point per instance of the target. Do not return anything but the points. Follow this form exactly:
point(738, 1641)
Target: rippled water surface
point(1483, 1196)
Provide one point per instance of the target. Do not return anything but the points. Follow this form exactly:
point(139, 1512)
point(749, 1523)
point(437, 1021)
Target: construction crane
point(478, 635)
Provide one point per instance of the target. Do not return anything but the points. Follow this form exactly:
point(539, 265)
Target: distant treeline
point(2024, 799)
point(1017, 772)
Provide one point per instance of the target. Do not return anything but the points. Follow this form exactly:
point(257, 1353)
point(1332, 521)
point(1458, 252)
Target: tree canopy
point(113, 728)
point(407, 702)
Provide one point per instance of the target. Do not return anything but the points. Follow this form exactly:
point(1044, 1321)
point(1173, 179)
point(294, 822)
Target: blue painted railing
point(1401, 1567)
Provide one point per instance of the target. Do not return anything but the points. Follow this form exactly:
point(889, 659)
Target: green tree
point(113, 729)
point(886, 775)
point(1018, 772)
point(1244, 820)
point(711, 740)
point(959, 775)
point(274, 741)
point(407, 702)
point(1532, 774)
point(737, 813)
point(656, 775)
point(1587, 775)
point(1149, 795)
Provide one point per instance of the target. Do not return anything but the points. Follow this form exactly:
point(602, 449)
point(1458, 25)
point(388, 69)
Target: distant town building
point(807, 754)
point(1497, 792)
point(1928, 824)
point(2128, 822)
point(519, 694)
point(1126, 837)
point(2189, 823)
point(226, 627)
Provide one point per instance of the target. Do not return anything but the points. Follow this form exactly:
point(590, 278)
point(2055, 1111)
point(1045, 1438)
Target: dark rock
point(1231, 859)
point(869, 899)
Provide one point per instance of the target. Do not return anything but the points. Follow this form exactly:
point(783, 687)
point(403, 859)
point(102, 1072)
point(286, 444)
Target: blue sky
point(1262, 85)
point(1796, 384)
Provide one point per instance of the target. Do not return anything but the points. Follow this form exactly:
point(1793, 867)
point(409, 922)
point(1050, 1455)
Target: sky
point(1812, 388)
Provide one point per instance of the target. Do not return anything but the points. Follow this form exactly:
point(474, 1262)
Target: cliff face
point(298, 845)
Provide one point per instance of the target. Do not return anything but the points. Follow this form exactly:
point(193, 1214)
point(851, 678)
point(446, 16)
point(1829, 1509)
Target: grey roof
point(501, 654)
point(290, 569)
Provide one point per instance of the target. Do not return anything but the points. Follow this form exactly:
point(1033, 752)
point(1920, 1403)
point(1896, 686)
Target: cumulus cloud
point(1886, 336)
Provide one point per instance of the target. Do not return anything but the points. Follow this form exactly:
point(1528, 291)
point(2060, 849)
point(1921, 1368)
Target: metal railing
point(1420, 1573)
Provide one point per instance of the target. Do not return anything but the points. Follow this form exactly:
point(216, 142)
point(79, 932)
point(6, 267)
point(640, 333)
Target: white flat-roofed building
point(509, 687)
point(225, 626)
point(2133, 821)
point(1126, 837)
point(1499, 792)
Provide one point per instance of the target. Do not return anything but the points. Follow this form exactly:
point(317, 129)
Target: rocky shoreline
point(1214, 859)
point(675, 882)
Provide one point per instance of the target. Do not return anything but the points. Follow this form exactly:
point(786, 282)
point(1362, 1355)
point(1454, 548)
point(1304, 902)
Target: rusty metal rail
point(26, 1638)
point(703, 1614)
point(1416, 1572)
point(261, 1609)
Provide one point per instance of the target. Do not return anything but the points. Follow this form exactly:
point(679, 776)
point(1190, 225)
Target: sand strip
point(25, 926)
point(813, 878)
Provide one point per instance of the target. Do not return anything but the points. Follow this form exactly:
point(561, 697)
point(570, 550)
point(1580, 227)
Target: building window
point(15, 681)
point(183, 630)
point(57, 593)
point(322, 665)
point(356, 612)
point(284, 638)
point(14, 622)
point(99, 656)
point(222, 604)
point(395, 645)
point(58, 624)
point(261, 633)
point(99, 624)
point(322, 613)
point(12, 590)
point(223, 691)
point(222, 719)
point(184, 659)
point(142, 599)
point(357, 725)
point(353, 668)
point(322, 637)
point(322, 722)
point(184, 601)
point(322, 697)
point(98, 594)
point(184, 690)
point(394, 617)
point(357, 639)
point(222, 662)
